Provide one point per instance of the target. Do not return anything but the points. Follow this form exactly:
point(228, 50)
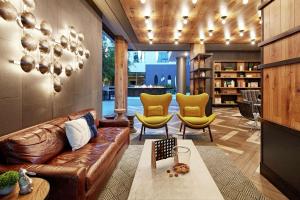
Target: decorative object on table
point(25, 183)
point(7, 11)
point(50, 50)
point(162, 149)
point(8, 182)
point(182, 157)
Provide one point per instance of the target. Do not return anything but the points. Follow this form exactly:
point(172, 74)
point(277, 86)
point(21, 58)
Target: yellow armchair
point(192, 112)
point(155, 112)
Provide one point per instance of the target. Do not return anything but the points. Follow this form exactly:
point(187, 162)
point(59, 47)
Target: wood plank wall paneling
point(281, 86)
point(121, 72)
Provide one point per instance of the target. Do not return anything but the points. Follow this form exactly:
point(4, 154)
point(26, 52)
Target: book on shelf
point(217, 66)
point(218, 100)
point(240, 66)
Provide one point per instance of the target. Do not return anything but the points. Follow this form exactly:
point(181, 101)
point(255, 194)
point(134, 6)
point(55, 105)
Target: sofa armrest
point(65, 182)
point(113, 123)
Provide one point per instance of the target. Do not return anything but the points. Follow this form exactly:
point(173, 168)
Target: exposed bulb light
point(223, 19)
point(143, 1)
point(245, 2)
point(241, 33)
point(147, 19)
point(150, 41)
point(150, 35)
point(202, 41)
point(194, 1)
point(176, 41)
point(179, 33)
point(179, 27)
point(260, 21)
point(227, 41)
point(210, 32)
point(185, 19)
point(253, 41)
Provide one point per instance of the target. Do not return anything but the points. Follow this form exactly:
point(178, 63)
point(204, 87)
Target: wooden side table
point(40, 191)
point(130, 118)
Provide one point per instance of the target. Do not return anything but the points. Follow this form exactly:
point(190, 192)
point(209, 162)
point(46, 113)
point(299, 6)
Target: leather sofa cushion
point(35, 145)
point(79, 114)
point(97, 155)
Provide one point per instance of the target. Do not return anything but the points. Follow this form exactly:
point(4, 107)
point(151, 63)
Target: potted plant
point(8, 182)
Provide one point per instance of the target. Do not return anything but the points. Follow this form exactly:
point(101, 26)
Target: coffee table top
point(156, 184)
point(40, 191)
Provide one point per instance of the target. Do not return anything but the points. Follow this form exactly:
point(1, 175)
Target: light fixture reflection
point(245, 2)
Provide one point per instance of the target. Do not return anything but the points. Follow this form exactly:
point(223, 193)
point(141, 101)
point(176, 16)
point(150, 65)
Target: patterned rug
point(230, 181)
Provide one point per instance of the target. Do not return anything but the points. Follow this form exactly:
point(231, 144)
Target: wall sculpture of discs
point(43, 52)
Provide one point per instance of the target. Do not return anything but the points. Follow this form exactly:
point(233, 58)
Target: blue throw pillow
point(91, 122)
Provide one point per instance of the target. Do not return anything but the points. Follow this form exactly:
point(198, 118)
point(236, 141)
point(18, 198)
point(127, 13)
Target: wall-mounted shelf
point(230, 77)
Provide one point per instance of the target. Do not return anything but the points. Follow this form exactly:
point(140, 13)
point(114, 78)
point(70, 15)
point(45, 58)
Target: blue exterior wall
point(164, 70)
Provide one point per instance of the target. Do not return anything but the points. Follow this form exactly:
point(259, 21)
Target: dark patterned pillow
point(91, 122)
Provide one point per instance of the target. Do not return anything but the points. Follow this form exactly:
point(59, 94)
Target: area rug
point(230, 181)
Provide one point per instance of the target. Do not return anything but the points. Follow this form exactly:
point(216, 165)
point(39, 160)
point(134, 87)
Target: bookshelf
point(201, 77)
point(230, 77)
point(201, 74)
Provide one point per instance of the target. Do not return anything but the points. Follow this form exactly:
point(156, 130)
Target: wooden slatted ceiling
point(165, 14)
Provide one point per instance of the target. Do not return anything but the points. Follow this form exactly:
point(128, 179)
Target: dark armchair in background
point(253, 97)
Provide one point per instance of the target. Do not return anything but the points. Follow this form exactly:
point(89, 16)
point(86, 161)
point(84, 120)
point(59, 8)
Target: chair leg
point(144, 130)
point(204, 130)
point(180, 127)
point(167, 130)
point(140, 138)
point(183, 135)
point(211, 138)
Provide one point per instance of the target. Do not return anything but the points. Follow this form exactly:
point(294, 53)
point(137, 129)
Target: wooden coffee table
point(40, 191)
point(156, 184)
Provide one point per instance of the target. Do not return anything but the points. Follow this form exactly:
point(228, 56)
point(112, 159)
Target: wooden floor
point(236, 139)
point(247, 156)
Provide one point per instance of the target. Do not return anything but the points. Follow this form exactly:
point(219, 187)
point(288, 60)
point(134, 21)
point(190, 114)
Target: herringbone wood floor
point(233, 136)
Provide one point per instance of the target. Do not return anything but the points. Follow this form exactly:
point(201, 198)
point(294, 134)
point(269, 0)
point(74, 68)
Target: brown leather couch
point(73, 175)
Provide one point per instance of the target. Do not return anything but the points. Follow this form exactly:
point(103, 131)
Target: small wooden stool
point(40, 191)
point(130, 118)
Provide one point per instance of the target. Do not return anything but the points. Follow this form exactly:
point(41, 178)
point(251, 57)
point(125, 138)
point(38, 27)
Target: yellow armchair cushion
point(155, 111)
point(196, 120)
point(155, 119)
point(192, 111)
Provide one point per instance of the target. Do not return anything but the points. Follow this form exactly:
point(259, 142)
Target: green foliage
point(8, 178)
point(108, 70)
